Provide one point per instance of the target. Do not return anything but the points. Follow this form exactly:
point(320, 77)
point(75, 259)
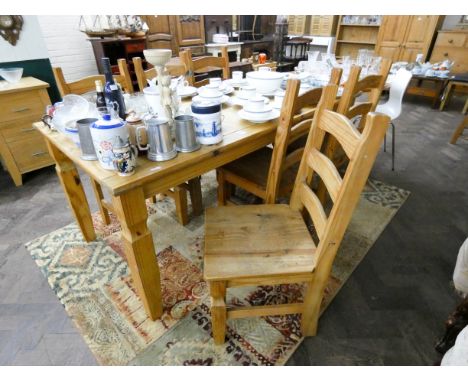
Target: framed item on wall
point(10, 27)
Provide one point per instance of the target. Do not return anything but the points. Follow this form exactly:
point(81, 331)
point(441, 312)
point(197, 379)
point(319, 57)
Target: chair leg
point(385, 143)
point(180, 198)
point(312, 302)
point(218, 311)
point(459, 130)
point(224, 188)
point(154, 199)
point(393, 146)
point(99, 196)
point(465, 108)
point(196, 196)
point(446, 96)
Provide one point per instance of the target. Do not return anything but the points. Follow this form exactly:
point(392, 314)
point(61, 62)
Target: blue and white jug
point(107, 133)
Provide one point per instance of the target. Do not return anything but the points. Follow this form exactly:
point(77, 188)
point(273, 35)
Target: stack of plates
point(259, 116)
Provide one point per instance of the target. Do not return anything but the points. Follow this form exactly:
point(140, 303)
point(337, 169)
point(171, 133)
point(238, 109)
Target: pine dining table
point(129, 194)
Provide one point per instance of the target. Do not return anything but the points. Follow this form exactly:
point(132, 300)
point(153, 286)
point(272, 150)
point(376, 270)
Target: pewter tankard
point(160, 145)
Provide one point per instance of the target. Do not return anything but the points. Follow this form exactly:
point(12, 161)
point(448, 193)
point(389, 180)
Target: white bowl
point(265, 82)
point(11, 75)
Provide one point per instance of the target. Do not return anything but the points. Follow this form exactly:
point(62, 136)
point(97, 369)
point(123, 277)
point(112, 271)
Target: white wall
point(30, 45)
point(67, 46)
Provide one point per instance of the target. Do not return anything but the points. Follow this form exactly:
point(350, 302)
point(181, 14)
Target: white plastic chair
point(393, 106)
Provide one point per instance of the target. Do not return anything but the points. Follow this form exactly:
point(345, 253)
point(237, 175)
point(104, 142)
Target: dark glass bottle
point(100, 98)
point(112, 92)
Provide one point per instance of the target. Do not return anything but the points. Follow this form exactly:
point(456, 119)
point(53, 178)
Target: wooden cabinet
point(115, 48)
point(298, 24)
point(323, 25)
point(190, 30)
point(176, 32)
point(391, 35)
point(162, 33)
point(22, 148)
point(452, 45)
point(402, 38)
point(317, 25)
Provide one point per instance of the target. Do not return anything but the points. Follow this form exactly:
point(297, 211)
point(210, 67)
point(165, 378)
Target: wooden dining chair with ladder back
point(371, 87)
point(269, 173)
point(205, 63)
point(88, 84)
point(270, 244)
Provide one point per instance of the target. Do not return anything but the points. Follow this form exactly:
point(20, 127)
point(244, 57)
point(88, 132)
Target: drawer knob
point(39, 153)
point(450, 41)
point(445, 54)
point(20, 109)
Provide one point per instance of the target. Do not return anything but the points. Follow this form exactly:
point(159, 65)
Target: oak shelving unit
point(352, 37)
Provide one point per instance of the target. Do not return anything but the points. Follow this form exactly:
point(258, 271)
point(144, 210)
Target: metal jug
point(160, 145)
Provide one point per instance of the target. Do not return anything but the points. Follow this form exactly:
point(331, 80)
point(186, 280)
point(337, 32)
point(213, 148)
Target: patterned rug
point(93, 282)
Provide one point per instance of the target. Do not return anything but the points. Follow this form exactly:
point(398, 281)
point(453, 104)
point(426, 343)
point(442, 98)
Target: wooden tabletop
point(237, 134)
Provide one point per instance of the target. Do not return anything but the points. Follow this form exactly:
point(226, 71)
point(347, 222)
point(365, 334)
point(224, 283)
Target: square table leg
point(130, 209)
point(71, 183)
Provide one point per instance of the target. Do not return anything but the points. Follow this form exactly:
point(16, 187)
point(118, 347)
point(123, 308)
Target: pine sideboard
point(22, 148)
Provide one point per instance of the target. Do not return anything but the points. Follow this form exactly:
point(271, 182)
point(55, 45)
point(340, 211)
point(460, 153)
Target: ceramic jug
point(106, 133)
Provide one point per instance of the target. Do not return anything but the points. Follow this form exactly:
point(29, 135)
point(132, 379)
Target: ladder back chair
point(179, 193)
point(142, 75)
point(270, 244)
point(372, 86)
point(269, 173)
point(87, 84)
point(202, 63)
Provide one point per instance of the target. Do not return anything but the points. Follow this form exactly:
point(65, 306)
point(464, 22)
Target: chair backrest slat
point(344, 192)
point(327, 171)
point(347, 135)
point(313, 205)
point(125, 74)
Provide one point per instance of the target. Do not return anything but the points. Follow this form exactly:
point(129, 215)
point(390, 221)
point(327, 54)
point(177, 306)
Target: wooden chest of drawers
point(21, 147)
point(452, 45)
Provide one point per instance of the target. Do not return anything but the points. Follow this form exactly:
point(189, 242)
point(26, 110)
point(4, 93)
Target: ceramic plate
point(197, 98)
point(187, 91)
point(231, 82)
point(255, 118)
point(226, 89)
point(270, 94)
point(266, 109)
point(241, 101)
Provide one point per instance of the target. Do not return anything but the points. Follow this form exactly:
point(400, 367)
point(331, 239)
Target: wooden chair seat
point(254, 170)
point(256, 240)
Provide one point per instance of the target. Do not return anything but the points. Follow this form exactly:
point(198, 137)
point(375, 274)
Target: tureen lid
point(107, 122)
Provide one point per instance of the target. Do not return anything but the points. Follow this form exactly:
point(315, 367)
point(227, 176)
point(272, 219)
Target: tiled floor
point(390, 312)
